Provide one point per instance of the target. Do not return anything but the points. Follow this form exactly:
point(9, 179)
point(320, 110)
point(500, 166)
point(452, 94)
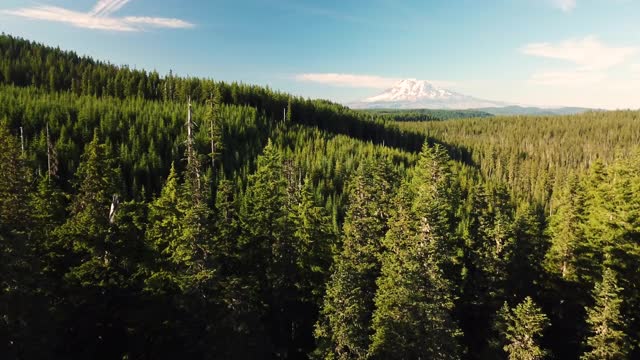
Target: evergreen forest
point(148, 216)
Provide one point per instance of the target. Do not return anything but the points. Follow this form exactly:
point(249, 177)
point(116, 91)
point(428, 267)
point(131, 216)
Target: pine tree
point(522, 328)
point(214, 119)
point(228, 228)
point(269, 248)
point(164, 216)
point(193, 251)
point(525, 270)
point(86, 230)
point(181, 232)
point(289, 116)
point(15, 250)
point(434, 205)
point(344, 328)
point(566, 230)
point(607, 340)
point(242, 332)
point(490, 241)
point(49, 212)
point(315, 239)
point(413, 318)
point(102, 258)
point(14, 182)
point(186, 267)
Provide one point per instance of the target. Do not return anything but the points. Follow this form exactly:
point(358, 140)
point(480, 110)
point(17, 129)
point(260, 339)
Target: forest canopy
point(159, 217)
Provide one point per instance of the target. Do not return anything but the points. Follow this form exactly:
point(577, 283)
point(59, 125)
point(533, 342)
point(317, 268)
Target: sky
point(529, 52)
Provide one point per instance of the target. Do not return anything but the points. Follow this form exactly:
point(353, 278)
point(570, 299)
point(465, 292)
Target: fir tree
point(242, 332)
point(14, 189)
point(344, 328)
point(434, 205)
point(48, 205)
point(525, 270)
point(315, 239)
point(228, 228)
point(607, 340)
point(490, 241)
point(269, 249)
point(87, 229)
point(15, 250)
point(413, 319)
point(567, 233)
point(214, 119)
point(102, 259)
point(289, 116)
point(522, 328)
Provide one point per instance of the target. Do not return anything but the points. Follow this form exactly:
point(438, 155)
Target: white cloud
point(567, 78)
point(108, 7)
point(590, 62)
point(359, 81)
point(588, 53)
point(99, 18)
point(77, 19)
point(349, 80)
point(565, 5)
point(159, 22)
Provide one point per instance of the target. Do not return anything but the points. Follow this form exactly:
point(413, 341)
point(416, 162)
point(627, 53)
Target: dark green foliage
point(344, 328)
point(414, 303)
point(533, 155)
point(317, 232)
point(566, 230)
point(488, 257)
point(316, 242)
point(429, 114)
point(18, 302)
point(607, 340)
point(522, 328)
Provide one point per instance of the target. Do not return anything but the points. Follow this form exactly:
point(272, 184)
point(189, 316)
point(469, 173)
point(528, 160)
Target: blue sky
point(537, 52)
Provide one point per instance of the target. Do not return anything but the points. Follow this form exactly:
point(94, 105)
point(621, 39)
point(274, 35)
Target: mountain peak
point(411, 90)
point(421, 94)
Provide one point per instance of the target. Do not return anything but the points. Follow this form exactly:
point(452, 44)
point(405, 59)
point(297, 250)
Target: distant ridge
point(412, 94)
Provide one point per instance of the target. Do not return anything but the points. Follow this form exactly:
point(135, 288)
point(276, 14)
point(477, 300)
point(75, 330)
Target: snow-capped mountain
point(420, 94)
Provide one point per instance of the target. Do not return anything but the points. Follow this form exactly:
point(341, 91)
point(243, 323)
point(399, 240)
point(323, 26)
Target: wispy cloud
point(567, 78)
point(349, 80)
point(107, 7)
point(588, 53)
point(565, 5)
point(158, 22)
point(359, 81)
point(589, 57)
point(99, 18)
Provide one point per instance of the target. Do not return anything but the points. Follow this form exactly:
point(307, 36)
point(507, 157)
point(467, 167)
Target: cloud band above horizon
point(99, 18)
point(348, 80)
point(358, 81)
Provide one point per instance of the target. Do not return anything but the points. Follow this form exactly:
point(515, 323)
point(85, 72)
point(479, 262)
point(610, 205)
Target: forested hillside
point(534, 155)
point(160, 217)
point(428, 114)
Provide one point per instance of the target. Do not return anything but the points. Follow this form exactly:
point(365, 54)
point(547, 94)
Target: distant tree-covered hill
point(530, 110)
point(428, 114)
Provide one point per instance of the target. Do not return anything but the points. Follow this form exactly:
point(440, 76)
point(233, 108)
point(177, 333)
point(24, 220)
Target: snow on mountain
point(420, 94)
